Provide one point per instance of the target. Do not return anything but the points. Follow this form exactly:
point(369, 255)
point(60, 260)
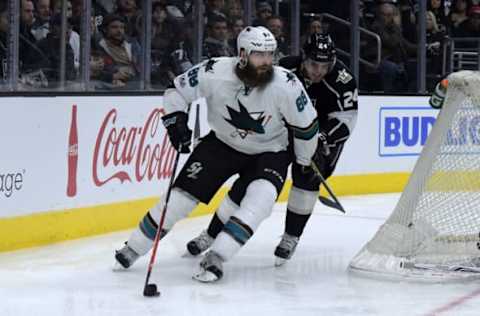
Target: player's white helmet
point(256, 38)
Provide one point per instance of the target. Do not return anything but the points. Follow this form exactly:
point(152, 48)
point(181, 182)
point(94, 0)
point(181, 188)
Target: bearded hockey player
point(251, 105)
point(333, 90)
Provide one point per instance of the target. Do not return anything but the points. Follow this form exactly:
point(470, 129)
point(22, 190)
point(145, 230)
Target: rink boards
point(77, 166)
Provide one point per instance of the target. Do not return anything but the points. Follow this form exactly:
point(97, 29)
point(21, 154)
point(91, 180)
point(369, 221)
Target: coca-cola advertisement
point(132, 153)
point(123, 152)
point(71, 153)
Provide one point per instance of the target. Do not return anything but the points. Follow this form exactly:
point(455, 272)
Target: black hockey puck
point(151, 290)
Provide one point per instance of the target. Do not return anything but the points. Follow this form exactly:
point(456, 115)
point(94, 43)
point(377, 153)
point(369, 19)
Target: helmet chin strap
point(242, 62)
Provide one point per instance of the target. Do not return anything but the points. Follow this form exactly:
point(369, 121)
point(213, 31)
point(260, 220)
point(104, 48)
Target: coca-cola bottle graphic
point(72, 155)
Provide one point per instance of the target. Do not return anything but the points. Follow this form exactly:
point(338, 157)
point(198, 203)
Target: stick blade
point(330, 203)
point(150, 290)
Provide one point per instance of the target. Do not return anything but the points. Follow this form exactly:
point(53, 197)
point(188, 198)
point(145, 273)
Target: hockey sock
point(256, 205)
point(234, 235)
point(295, 223)
point(215, 227)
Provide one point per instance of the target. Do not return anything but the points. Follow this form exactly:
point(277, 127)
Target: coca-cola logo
point(134, 153)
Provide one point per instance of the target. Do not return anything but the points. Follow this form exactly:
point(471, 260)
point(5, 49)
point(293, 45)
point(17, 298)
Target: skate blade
point(188, 255)
point(205, 276)
point(117, 267)
point(280, 261)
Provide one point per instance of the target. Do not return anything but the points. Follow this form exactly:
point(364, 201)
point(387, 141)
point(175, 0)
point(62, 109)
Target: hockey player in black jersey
point(333, 91)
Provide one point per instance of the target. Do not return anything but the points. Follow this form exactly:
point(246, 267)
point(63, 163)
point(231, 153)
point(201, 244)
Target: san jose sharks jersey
point(335, 98)
point(250, 120)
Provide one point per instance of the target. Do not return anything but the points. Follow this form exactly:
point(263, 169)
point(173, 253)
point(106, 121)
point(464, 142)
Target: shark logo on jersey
point(343, 76)
point(290, 77)
point(246, 122)
point(209, 65)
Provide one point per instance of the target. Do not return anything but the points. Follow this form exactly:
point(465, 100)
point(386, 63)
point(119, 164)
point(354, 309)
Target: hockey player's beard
point(252, 77)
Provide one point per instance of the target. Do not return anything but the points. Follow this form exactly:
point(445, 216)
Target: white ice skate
point(211, 268)
point(199, 244)
point(124, 258)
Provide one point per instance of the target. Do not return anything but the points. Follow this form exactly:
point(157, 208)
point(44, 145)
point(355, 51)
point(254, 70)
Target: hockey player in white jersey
point(333, 90)
point(251, 104)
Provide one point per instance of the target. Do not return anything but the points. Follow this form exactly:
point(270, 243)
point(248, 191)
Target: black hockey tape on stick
point(334, 202)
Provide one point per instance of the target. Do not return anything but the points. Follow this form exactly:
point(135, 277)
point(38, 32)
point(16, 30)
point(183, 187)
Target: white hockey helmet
point(256, 38)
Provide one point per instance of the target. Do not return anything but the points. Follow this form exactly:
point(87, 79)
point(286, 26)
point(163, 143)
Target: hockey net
point(433, 233)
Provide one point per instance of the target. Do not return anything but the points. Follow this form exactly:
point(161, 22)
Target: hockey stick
point(326, 201)
point(151, 289)
point(196, 129)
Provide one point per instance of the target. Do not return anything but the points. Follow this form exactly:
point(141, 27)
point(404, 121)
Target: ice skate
point(211, 268)
point(285, 249)
point(199, 244)
point(125, 257)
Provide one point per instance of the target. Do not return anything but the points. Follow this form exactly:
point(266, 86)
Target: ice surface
point(75, 278)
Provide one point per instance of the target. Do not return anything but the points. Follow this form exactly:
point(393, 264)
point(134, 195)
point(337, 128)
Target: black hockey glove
point(323, 146)
point(178, 132)
point(319, 162)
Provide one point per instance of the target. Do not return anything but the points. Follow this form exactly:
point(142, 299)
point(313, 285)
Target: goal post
point(433, 234)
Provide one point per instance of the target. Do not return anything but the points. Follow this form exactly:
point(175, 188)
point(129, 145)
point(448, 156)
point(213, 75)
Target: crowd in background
point(117, 30)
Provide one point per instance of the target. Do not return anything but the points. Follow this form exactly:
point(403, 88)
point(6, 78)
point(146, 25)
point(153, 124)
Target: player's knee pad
point(301, 201)
point(179, 206)
point(257, 204)
point(226, 209)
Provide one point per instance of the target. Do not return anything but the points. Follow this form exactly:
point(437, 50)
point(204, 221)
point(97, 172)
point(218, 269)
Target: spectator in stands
point(129, 11)
point(50, 47)
point(121, 56)
point(161, 31)
point(263, 12)
point(315, 26)
point(395, 49)
point(438, 9)
point(407, 20)
point(104, 5)
point(98, 13)
point(275, 25)
point(216, 43)
point(181, 50)
point(234, 8)
point(162, 41)
point(27, 46)
point(57, 7)
point(459, 13)
point(97, 64)
point(215, 7)
point(435, 39)
point(40, 27)
point(236, 26)
point(469, 28)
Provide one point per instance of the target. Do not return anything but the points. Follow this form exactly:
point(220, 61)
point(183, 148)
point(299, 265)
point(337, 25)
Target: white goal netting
point(434, 231)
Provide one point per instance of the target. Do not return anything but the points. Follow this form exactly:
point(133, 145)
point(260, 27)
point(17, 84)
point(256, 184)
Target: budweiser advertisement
point(70, 152)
